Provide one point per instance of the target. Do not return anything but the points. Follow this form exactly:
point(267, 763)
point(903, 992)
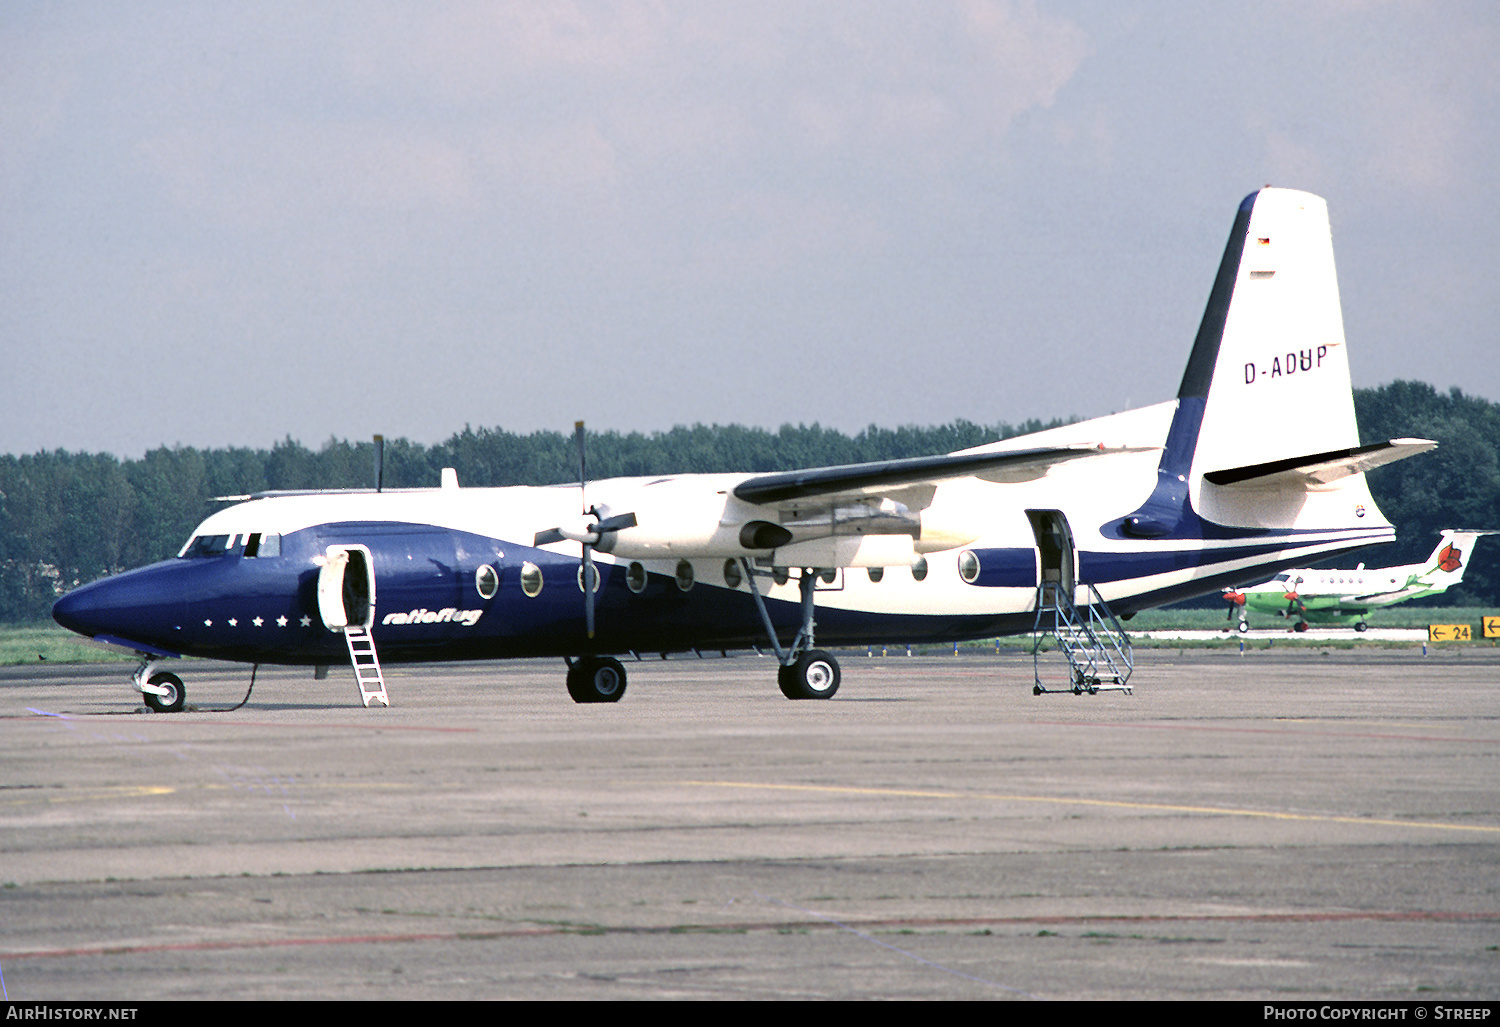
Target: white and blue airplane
point(1255, 466)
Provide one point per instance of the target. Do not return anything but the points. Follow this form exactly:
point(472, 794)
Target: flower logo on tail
point(1450, 559)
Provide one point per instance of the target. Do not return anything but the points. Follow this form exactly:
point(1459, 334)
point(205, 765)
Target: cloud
point(1030, 57)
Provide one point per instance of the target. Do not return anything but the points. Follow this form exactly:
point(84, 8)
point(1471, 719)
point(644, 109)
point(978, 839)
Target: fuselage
point(455, 575)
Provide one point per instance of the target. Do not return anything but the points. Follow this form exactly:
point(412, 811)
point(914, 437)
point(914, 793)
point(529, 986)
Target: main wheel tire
point(1361, 626)
point(815, 675)
point(1244, 627)
point(596, 679)
point(176, 695)
point(1301, 625)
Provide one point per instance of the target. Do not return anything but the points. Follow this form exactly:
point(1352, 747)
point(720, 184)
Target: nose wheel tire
point(596, 679)
point(815, 675)
point(176, 695)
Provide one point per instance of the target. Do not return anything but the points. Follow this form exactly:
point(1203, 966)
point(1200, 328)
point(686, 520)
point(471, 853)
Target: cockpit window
point(1284, 576)
point(207, 545)
point(263, 545)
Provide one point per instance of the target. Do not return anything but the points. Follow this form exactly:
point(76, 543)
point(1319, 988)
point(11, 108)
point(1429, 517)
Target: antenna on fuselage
point(379, 462)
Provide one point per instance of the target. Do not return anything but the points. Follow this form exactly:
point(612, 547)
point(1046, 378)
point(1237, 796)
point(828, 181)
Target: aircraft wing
point(1319, 468)
point(883, 476)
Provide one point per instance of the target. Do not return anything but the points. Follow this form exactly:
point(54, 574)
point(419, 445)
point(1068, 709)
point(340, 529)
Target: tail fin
point(1264, 434)
point(1275, 383)
point(1445, 567)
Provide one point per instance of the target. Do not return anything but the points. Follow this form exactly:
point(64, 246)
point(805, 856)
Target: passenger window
point(486, 582)
point(531, 579)
point(968, 566)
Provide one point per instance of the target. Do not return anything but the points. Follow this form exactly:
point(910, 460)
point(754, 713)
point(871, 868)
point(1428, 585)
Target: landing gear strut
point(805, 672)
point(596, 679)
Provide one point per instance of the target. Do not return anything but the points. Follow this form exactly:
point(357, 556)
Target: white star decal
point(208, 624)
point(257, 622)
point(306, 620)
point(281, 622)
point(233, 623)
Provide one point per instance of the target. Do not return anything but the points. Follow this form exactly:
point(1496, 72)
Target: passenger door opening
point(346, 588)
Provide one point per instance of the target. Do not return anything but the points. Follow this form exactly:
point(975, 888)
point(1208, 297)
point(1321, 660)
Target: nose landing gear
point(162, 690)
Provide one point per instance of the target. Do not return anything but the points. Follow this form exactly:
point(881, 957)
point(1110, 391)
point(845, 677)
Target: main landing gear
point(596, 679)
point(815, 675)
point(805, 672)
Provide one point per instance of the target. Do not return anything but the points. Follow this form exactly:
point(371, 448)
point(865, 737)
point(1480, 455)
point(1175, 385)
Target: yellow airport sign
point(1492, 627)
point(1450, 632)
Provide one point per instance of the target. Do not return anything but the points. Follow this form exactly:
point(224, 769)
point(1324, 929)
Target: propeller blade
point(615, 523)
point(582, 466)
point(549, 536)
point(588, 588)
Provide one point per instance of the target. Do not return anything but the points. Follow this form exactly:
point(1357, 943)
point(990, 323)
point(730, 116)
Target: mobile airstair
point(1088, 637)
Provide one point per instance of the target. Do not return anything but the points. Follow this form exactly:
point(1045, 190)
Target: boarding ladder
point(366, 664)
point(1091, 639)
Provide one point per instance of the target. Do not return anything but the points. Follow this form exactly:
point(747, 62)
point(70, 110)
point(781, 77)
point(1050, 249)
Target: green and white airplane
point(1334, 596)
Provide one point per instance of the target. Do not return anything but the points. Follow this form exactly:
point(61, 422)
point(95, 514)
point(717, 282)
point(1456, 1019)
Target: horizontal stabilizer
point(883, 475)
point(1319, 468)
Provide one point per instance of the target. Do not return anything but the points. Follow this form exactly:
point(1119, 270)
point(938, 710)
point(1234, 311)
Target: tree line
point(68, 518)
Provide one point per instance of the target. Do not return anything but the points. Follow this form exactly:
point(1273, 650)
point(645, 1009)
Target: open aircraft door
point(346, 588)
point(1057, 561)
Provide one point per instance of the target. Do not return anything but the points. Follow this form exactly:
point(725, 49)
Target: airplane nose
point(138, 605)
point(74, 612)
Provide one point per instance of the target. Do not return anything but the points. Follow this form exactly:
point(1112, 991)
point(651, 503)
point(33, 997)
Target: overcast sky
point(223, 224)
